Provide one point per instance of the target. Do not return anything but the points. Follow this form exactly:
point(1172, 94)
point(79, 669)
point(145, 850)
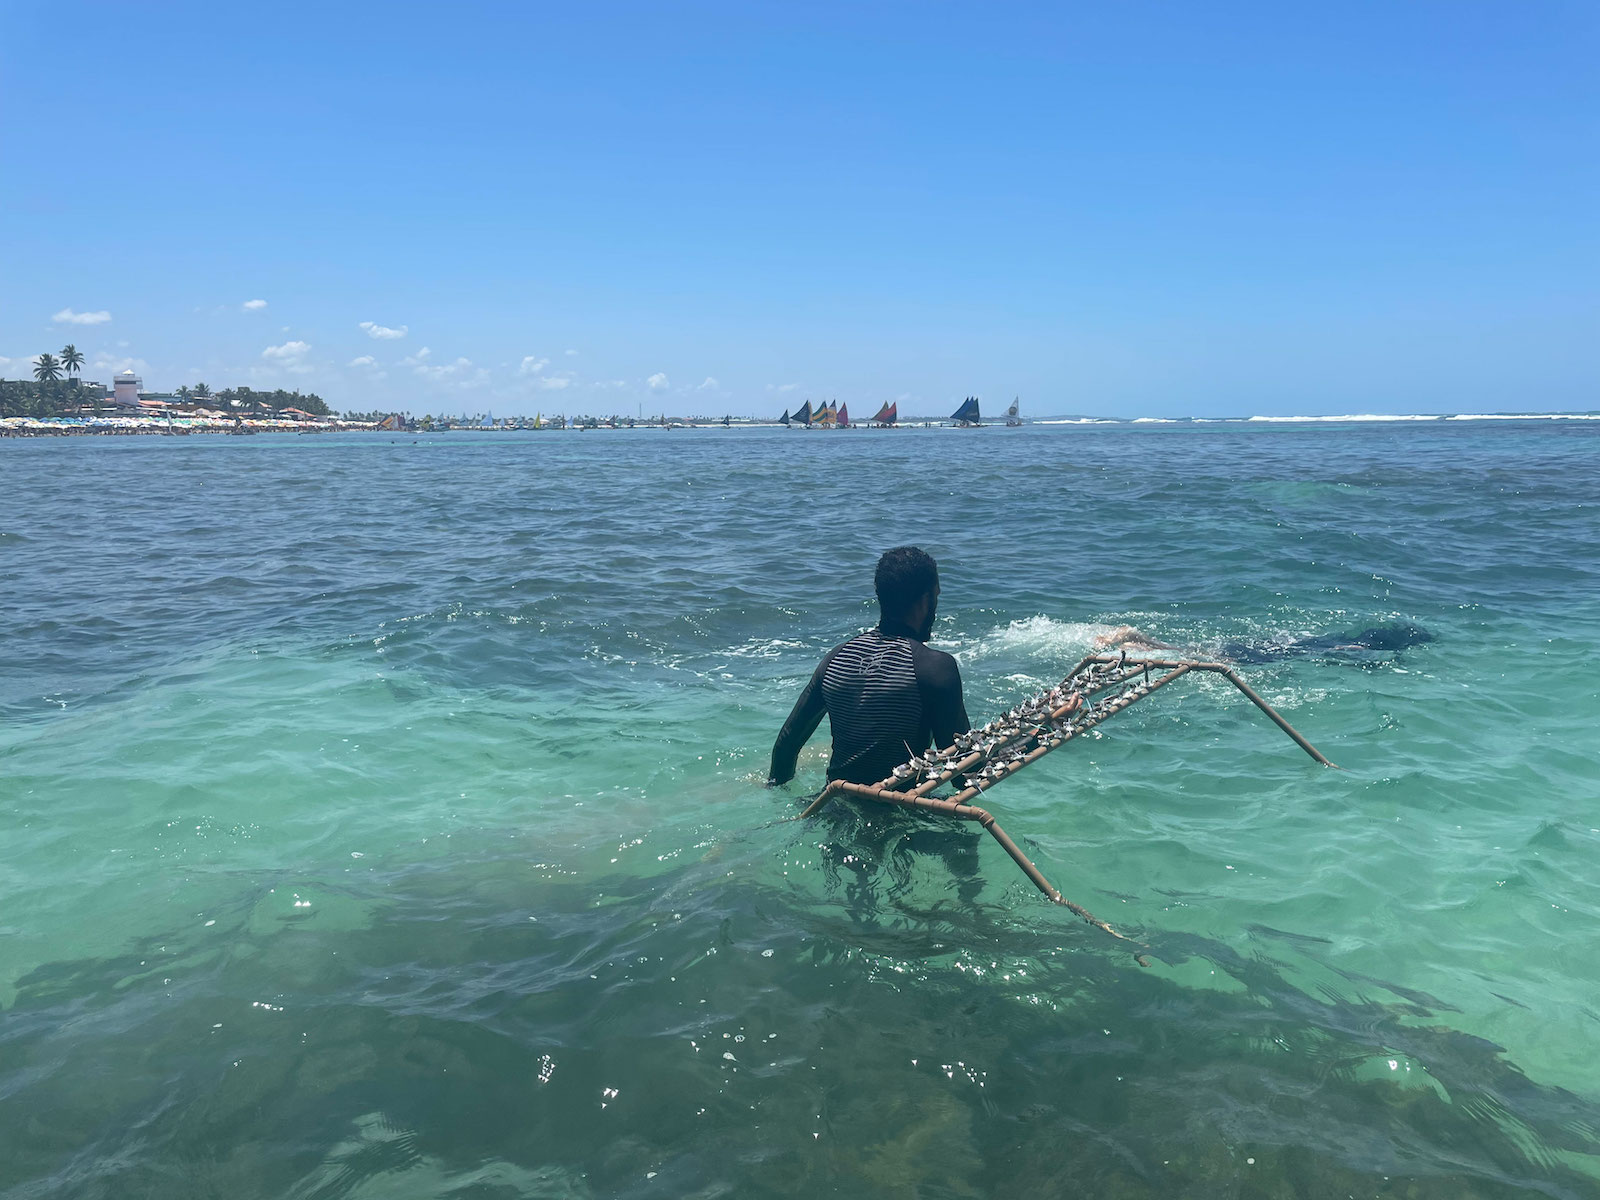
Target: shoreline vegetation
point(53, 406)
point(112, 421)
point(57, 402)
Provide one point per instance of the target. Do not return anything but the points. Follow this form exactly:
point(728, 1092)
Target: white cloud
point(253, 305)
point(67, 317)
point(288, 352)
point(383, 332)
point(445, 370)
point(572, 354)
point(119, 364)
point(532, 365)
point(461, 366)
point(658, 381)
point(554, 383)
point(710, 384)
point(366, 360)
point(463, 373)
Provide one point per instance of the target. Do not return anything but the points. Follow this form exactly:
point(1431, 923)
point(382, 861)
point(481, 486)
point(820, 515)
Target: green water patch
point(708, 1033)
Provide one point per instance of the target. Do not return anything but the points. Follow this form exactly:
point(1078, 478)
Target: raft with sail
point(966, 417)
point(830, 414)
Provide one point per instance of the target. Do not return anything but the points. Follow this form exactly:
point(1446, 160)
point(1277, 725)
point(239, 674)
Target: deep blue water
point(383, 817)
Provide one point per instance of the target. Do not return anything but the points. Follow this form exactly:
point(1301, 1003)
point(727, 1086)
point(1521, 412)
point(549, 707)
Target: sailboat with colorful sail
point(888, 414)
point(966, 417)
point(1014, 414)
point(826, 416)
point(844, 416)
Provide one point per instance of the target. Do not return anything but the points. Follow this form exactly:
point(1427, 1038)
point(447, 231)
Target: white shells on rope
point(1004, 742)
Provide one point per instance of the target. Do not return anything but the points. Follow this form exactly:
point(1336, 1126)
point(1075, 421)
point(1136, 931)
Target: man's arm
point(1127, 635)
point(797, 730)
point(940, 680)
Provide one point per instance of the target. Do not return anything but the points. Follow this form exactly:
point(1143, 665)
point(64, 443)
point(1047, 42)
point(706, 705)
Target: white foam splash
point(1039, 637)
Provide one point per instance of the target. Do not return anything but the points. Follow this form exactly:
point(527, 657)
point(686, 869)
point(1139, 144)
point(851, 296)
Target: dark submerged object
point(1379, 639)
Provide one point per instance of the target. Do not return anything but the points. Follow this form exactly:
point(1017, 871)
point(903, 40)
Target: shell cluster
point(987, 755)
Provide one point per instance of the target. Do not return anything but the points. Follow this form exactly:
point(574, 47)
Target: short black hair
point(904, 575)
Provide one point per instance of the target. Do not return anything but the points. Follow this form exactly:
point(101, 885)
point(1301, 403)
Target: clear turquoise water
point(383, 819)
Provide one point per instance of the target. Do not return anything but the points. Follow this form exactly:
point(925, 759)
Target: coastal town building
point(126, 388)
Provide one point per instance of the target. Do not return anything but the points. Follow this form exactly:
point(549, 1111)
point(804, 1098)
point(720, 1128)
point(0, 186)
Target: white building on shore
point(126, 388)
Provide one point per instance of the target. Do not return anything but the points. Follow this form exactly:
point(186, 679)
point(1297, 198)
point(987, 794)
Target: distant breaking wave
point(1359, 417)
point(1343, 418)
point(1524, 417)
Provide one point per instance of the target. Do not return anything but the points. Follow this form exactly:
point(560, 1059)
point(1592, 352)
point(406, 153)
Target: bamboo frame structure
point(1097, 689)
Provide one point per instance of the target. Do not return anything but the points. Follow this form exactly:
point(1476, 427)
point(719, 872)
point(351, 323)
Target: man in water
point(885, 693)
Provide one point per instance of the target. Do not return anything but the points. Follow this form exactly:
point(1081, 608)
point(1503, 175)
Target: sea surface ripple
point(383, 817)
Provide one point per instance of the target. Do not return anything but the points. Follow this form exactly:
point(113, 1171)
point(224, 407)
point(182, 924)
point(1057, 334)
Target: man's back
point(886, 696)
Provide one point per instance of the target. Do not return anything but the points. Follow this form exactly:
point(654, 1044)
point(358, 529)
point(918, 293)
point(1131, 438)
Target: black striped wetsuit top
point(886, 696)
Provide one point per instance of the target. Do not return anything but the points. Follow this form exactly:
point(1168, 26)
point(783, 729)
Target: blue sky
point(1130, 209)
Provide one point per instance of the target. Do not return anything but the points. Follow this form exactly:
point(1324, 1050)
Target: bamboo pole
point(967, 812)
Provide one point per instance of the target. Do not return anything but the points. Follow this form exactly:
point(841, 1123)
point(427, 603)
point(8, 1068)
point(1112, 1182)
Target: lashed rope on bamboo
point(1097, 689)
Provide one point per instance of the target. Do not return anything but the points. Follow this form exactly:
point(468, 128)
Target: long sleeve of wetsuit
point(797, 730)
point(939, 680)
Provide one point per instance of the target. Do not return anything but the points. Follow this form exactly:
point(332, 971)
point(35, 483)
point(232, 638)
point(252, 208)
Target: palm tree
point(47, 369)
point(201, 390)
point(72, 360)
point(184, 393)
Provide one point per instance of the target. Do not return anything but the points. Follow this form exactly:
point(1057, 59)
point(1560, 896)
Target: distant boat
point(803, 417)
point(784, 420)
point(1013, 416)
point(967, 415)
point(844, 416)
point(888, 414)
point(826, 416)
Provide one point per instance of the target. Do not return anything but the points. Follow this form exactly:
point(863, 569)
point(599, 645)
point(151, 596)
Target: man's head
point(907, 583)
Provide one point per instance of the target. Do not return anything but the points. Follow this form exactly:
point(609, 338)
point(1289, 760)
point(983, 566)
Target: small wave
point(1353, 417)
point(1076, 421)
point(1524, 417)
point(767, 648)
